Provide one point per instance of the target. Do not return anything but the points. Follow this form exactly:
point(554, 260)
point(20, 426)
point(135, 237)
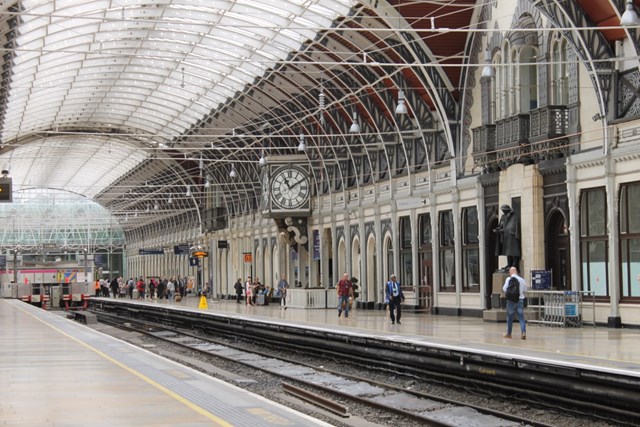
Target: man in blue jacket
point(393, 294)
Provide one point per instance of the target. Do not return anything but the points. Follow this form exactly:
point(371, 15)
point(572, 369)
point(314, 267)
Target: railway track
point(333, 390)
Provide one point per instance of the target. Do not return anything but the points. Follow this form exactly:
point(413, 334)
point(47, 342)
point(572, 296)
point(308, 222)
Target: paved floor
point(57, 372)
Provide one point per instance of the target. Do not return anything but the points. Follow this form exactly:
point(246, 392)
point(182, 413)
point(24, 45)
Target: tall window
point(447, 253)
point(528, 80)
point(426, 257)
point(630, 240)
point(516, 81)
point(406, 262)
point(470, 250)
point(559, 71)
point(593, 241)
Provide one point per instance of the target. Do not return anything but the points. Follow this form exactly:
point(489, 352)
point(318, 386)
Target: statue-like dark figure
point(508, 242)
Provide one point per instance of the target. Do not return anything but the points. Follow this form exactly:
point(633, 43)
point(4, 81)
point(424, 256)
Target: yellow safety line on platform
point(219, 421)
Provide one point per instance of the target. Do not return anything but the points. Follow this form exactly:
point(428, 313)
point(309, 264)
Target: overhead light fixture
point(207, 184)
point(148, 209)
point(188, 191)
point(487, 71)
point(402, 107)
point(233, 173)
point(355, 127)
point(169, 200)
point(156, 206)
point(629, 18)
point(263, 160)
point(302, 146)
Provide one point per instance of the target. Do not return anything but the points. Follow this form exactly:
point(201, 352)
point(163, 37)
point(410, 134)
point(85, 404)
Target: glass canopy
point(58, 221)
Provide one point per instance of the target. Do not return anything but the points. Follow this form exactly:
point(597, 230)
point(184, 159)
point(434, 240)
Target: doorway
point(557, 251)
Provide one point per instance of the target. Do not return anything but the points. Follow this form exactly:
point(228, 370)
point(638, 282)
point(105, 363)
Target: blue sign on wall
point(3, 261)
point(541, 279)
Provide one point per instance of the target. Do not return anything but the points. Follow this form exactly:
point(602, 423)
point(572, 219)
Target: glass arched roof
point(146, 71)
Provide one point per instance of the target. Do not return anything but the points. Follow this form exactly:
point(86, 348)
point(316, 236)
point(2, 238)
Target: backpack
point(513, 290)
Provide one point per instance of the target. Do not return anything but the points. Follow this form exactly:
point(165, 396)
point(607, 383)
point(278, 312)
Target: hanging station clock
point(290, 189)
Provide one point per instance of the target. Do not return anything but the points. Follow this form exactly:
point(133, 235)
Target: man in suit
point(393, 293)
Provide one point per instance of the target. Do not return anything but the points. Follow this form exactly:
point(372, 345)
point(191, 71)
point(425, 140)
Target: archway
point(387, 266)
point(557, 251)
point(268, 278)
point(356, 265)
point(372, 279)
point(341, 262)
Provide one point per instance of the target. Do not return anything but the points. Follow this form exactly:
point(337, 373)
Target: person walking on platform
point(97, 289)
point(248, 291)
point(238, 289)
point(393, 293)
point(171, 289)
point(345, 290)
point(283, 285)
point(513, 306)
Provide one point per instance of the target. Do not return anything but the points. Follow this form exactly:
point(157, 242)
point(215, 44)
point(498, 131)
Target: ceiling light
point(302, 146)
point(188, 191)
point(169, 200)
point(630, 17)
point(156, 206)
point(207, 184)
point(263, 160)
point(402, 107)
point(233, 173)
point(355, 127)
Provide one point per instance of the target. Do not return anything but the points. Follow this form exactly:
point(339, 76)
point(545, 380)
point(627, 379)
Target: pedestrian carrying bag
point(513, 290)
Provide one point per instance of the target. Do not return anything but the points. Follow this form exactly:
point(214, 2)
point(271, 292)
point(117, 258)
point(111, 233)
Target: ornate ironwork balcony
point(549, 122)
point(549, 128)
point(484, 142)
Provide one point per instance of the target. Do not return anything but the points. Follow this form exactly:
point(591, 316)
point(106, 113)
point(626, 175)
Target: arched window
point(559, 71)
point(528, 88)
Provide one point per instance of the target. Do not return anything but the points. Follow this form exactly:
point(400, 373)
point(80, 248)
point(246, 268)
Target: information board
point(541, 279)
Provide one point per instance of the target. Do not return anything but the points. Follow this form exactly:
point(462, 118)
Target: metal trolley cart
point(556, 308)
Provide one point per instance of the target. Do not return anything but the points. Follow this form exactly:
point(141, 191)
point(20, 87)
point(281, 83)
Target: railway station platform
point(588, 346)
point(56, 372)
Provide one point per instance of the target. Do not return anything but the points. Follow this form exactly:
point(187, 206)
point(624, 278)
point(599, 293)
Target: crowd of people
point(157, 288)
point(255, 292)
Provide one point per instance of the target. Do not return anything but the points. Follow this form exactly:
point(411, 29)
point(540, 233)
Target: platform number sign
point(248, 257)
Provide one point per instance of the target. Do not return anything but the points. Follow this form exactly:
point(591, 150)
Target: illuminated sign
point(200, 254)
point(248, 257)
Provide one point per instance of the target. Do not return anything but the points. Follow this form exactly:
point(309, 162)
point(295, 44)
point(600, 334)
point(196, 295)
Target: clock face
point(289, 188)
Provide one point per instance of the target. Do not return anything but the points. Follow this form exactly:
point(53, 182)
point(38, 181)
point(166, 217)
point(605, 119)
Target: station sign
point(200, 254)
point(248, 257)
point(182, 249)
point(194, 261)
point(150, 252)
point(3, 261)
